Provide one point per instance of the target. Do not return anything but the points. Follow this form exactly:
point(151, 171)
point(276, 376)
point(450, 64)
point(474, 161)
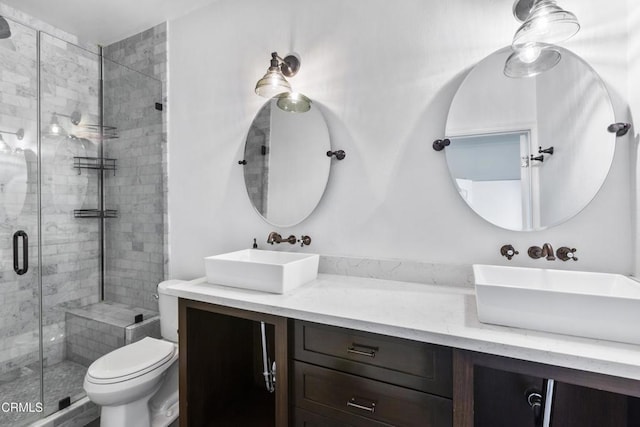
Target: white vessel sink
point(593, 305)
point(267, 271)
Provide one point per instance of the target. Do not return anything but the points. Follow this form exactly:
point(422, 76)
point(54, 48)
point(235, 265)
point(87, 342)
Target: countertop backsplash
point(399, 270)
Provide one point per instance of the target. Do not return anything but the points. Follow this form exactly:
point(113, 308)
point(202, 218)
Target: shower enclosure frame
point(36, 284)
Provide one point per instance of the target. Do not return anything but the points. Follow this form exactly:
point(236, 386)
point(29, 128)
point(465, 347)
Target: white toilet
point(137, 385)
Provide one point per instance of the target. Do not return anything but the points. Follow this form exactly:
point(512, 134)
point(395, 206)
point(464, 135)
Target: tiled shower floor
point(61, 380)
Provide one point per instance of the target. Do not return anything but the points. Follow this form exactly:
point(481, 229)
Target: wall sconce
point(544, 23)
point(54, 128)
point(274, 82)
point(6, 148)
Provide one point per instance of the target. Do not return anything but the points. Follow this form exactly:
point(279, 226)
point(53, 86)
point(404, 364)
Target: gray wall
point(135, 241)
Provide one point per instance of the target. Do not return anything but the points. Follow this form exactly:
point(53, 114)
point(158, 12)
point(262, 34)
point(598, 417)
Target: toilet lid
point(137, 358)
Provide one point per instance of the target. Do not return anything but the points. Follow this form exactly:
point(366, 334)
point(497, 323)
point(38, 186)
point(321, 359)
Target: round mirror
point(529, 153)
point(287, 167)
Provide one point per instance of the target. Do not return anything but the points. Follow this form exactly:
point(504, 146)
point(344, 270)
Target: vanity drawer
point(302, 418)
point(360, 401)
point(420, 366)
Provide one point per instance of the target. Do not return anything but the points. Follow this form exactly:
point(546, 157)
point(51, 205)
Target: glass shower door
point(20, 363)
point(71, 242)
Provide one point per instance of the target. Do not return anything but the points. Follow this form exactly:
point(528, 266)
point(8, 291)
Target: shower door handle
point(25, 253)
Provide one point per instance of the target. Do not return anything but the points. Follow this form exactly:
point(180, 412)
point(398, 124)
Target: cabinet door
point(575, 406)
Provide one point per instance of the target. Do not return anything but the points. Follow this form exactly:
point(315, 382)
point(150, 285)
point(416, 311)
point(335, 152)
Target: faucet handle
point(565, 253)
point(304, 241)
point(535, 252)
point(508, 251)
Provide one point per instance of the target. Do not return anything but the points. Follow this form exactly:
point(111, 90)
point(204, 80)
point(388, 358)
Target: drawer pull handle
point(369, 406)
point(362, 350)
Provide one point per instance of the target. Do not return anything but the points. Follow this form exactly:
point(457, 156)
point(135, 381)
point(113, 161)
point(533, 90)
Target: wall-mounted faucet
point(277, 238)
point(546, 251)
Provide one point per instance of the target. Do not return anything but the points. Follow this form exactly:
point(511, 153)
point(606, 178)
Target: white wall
point(384, 74)
point(634, 102)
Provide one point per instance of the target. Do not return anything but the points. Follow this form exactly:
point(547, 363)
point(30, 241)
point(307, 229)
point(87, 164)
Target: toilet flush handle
point(156, 296)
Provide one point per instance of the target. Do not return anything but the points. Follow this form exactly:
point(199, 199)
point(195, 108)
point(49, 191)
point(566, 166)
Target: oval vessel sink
point(594, 305)
point(261, 270)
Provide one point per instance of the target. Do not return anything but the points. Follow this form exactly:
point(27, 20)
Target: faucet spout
point(547, 251)
point(274, 238)
point(277, 238)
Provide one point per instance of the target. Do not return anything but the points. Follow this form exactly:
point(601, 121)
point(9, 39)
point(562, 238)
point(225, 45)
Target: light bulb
point(529, 53)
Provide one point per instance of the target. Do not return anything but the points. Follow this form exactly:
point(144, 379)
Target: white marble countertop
point(436, 314)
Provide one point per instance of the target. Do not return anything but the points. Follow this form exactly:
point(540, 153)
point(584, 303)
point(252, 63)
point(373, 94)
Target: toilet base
point(133, 414)
point(164, 419)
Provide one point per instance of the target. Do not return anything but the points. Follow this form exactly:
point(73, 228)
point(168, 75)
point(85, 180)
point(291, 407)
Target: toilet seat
point(131, 361)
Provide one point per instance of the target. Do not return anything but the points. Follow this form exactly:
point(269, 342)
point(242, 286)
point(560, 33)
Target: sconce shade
point(530, 60)
point(273, 83)
point(293, 102)
point(547, 23)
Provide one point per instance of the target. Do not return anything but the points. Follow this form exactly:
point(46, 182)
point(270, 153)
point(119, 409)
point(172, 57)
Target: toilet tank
point(168, 307)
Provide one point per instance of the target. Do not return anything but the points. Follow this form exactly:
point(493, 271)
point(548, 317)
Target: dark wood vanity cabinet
point(221, 381)
point(352, 378)
point(328, 376)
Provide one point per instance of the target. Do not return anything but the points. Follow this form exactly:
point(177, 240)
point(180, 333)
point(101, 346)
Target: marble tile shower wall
point(70, 246)
point(135, 241)
point(18, 294)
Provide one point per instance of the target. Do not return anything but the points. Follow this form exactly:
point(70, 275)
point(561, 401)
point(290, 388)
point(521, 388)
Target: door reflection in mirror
point(493, 175)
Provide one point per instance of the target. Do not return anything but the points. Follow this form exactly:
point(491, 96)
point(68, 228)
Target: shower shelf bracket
point(95, 213)
point(94, 163)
